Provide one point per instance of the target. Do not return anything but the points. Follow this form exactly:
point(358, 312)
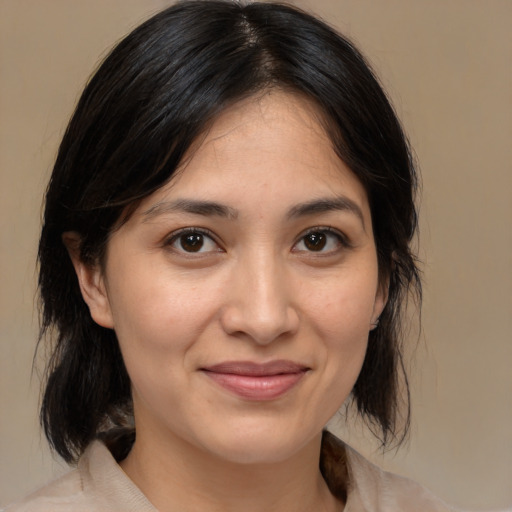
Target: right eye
point(321, 241)
point(192, 240)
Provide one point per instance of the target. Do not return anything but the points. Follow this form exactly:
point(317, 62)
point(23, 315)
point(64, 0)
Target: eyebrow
point(196, 207)
point(212, 208)
point(325, 205)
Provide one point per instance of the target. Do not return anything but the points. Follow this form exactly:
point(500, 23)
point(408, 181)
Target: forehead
point(272, 146)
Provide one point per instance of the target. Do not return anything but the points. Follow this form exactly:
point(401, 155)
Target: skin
point(258, 289)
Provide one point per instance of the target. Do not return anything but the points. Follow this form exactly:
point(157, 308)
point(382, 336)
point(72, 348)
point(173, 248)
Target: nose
point(259, 303)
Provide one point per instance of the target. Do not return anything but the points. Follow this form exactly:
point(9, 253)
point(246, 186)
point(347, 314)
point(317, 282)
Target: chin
point(243, 445)
point(257, 453)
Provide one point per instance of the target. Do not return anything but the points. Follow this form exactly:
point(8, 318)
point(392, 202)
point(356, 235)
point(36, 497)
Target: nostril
point(261, 326)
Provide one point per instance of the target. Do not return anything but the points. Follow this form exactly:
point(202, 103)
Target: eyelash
point(323, 230)
point(207, 234)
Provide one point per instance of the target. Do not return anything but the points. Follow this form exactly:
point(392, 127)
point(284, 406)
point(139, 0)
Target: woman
point(224, 257)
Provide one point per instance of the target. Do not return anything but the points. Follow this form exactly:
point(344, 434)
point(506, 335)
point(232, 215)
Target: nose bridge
point(261, 306)
point(267, 284)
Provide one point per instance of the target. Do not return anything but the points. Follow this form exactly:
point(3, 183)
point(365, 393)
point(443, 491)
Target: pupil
point(192, 242)
point(315, 241)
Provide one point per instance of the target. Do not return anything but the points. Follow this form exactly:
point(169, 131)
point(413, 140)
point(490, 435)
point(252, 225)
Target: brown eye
point(192, 242)
point(321, 240)
point(315, 241)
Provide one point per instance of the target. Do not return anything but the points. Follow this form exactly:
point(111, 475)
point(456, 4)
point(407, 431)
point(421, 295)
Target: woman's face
point(242, 292)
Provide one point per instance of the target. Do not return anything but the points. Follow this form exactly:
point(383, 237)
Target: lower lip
point(258, 388)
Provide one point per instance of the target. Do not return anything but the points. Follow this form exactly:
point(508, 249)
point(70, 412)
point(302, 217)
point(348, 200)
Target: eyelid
point(342, 237)
point(172, 237)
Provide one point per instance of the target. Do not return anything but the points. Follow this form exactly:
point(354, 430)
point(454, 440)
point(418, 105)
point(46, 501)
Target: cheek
point(156, 326)
point(146, 313)
point(159, 316)
point(342, 307)
point(340, 314)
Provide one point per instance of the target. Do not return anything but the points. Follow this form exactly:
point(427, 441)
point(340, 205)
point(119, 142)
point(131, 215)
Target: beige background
point(447, 66)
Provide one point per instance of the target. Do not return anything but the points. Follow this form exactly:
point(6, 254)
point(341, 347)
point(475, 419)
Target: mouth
point(256, 381)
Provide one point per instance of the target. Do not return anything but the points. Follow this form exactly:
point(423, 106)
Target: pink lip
point(255, 381)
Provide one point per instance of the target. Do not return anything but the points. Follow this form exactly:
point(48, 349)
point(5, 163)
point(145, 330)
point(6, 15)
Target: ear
point(381, 299)
point(91, 280)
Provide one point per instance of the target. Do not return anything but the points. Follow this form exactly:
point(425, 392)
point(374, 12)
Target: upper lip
point(251, 368)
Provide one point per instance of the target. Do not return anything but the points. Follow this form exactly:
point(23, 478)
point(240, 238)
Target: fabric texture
point(99, 484)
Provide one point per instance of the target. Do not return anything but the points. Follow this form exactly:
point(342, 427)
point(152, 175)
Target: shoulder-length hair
point(157, 91)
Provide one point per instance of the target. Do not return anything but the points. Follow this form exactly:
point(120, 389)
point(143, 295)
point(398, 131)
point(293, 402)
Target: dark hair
point(156, 92)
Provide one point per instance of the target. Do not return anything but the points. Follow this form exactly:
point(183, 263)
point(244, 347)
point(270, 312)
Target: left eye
point(193, 241)
point(319, 241)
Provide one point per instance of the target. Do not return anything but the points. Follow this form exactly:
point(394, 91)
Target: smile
point(254, 381)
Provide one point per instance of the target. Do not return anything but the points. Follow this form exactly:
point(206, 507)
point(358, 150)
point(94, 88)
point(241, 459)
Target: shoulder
point(61, 494)
point(384, 491)
point(370, 488)
point(97, 484)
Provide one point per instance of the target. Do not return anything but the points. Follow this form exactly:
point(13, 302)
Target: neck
point(180, 476)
